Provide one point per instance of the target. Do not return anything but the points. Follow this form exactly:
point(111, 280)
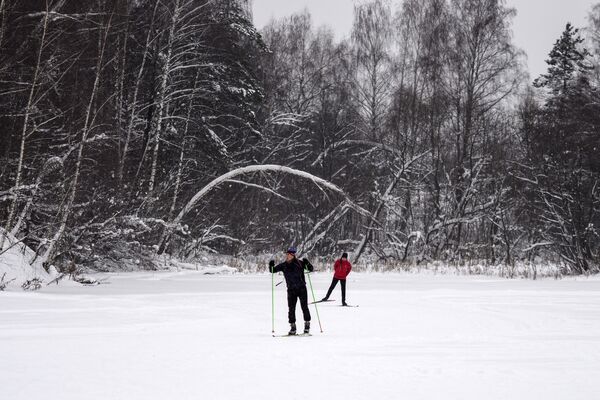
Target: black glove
point(307, 265)
point(271, 263)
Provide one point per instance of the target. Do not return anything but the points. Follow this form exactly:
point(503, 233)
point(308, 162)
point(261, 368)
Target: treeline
point(114, 114)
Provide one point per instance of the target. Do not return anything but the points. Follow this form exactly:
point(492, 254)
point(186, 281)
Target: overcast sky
point(537, 26)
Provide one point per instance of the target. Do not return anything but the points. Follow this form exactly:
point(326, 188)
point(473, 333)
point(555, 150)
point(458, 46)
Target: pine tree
point(568, 59)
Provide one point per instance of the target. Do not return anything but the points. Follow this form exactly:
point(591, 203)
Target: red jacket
point(341, 269)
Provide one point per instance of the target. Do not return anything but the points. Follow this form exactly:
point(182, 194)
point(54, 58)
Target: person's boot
point(292, 329)
point(306, 327)
point(325, 299)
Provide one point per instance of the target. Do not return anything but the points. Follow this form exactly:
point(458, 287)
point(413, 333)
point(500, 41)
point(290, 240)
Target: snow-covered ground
point(187, 335)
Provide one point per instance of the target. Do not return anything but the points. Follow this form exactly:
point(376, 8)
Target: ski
point(297, 334)
point(348, 305)
point(320, 301)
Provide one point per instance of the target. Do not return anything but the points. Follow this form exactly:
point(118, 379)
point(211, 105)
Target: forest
point(131, 129)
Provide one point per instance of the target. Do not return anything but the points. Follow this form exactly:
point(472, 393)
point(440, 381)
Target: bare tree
point(371, 35)
point(483, 71)
point(25, 130)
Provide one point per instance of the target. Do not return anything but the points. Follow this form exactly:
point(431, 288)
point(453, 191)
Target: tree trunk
point(3, 13)
point(162, 97)
point(183, 146)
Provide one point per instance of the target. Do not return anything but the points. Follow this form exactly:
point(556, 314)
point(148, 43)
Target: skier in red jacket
point(341, 268)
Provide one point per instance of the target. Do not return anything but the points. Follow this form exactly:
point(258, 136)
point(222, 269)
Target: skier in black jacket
point(293, 271)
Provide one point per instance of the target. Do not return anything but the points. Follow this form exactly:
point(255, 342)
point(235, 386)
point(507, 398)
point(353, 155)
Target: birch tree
point(371, 35)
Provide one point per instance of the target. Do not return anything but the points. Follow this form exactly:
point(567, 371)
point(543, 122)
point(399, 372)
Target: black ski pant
point(332, 286)
point(293, 295)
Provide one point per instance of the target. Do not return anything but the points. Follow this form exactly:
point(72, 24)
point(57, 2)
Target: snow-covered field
point(186, 335)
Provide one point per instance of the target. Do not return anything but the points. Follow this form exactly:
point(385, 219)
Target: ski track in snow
point(193, 336)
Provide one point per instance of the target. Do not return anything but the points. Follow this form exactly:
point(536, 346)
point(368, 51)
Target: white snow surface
point(188, 335)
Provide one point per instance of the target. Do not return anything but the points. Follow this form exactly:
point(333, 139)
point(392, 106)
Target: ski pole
point(314, 299)
point(272, 301)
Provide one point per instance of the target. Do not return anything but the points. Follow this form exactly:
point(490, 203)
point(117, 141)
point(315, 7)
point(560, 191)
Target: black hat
point(345, 255)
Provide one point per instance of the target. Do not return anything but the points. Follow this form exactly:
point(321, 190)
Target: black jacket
point(293, 272)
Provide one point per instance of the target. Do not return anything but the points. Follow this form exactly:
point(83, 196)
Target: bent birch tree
point(320, 182)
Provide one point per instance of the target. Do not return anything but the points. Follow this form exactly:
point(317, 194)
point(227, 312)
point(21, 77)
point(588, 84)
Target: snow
point(15, 260)
point(188, 335)
point(205, 269)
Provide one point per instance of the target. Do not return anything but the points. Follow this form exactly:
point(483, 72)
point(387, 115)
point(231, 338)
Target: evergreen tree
point(567, 60)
